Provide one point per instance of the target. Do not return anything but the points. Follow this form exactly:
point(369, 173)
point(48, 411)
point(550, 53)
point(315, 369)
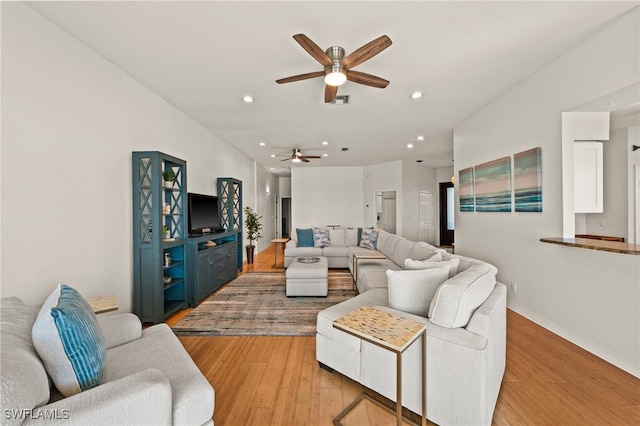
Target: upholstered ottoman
point(308, 279)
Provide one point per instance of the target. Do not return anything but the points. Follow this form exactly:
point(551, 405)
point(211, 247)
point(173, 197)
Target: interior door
point(427, 217)
point(447, 214)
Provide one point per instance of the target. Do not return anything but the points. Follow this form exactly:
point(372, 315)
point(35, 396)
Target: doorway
point(447, 214)
point(286, 217)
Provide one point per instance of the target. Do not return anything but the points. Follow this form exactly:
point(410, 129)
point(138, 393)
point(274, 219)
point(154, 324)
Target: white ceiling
point(204, 56)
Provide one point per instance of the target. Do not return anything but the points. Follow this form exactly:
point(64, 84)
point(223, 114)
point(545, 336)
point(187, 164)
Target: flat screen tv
point(203, 214)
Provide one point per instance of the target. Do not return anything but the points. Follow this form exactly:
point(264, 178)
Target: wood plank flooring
point(277, 381)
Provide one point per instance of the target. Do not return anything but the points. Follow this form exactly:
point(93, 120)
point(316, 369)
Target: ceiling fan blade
point(330, 93)
point(311, 156)
point(366, 52)
point(367, 79)
point(313, 50)
point(300, 77)
point(304, 159)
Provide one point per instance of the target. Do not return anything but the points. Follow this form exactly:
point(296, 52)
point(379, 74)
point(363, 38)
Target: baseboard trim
point(576, 340)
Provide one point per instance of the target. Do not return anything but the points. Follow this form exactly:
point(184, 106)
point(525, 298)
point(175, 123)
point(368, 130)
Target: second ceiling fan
point(297, 157)
point(338, 68)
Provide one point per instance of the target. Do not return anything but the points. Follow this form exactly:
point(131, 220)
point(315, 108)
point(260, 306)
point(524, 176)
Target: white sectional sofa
point(465, 312)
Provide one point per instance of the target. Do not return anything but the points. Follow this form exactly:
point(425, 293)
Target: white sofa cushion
point(337, 237)
point(69, 341)
point(412, 291)
point(351, 237)
point(451, 264)
point(458, 297)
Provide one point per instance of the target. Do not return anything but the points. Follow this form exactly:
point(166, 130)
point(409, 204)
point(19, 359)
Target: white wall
point(590, 297)
point(322, 196)
point(266, 195)
point(70, 121)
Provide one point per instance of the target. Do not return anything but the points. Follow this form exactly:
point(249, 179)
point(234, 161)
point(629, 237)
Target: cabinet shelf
point(153, 302)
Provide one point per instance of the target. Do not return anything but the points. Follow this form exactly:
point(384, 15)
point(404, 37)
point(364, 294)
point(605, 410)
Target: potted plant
point(169, 177)
point(252, 222)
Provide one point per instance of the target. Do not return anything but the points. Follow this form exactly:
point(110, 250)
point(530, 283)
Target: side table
point(277, 242)
point(395, 334)
point(356, 258)
point(102, 304)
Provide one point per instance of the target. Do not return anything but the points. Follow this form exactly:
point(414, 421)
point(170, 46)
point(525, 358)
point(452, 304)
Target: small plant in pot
point(253, 225)
point(169, 177)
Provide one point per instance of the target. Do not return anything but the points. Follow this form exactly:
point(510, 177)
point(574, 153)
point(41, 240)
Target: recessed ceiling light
point(325, 143)
point(262, 144)
point(420, 138)
point(273, 156)
point(416, 95)
point(325, 155)
point(409, 145)
point(247, 99)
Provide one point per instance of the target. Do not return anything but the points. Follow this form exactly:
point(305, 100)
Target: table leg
point(399, 388)
point(424, 378)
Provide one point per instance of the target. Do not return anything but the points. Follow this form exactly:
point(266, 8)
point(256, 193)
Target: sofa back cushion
point(423, 251)
point(69, 340)
point(458, 297)
point(24, 379)
point(337, 237)
point(402, 251)
point(384, 239)
point(351, 237)
point(412, 291)
point(466, 262)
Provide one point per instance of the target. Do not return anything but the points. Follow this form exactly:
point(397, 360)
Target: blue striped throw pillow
point(69, 341)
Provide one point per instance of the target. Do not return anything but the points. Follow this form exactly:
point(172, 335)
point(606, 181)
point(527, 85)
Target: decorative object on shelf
point(169, 177)
point(165, 232)
point(167, 280)
point(252, 222)
point(166, 208)
point(308, 259)
point(167, 260)
point(210, 244)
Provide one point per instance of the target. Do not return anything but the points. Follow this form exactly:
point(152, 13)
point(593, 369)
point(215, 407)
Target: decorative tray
point(308, 259)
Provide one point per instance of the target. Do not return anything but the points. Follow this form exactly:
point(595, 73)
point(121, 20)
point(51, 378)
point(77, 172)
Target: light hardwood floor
point(277, 381)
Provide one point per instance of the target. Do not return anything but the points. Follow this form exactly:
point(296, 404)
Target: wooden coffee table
point(395, 334)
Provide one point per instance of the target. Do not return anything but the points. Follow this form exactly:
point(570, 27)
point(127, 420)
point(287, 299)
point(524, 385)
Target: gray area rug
point(255, 304)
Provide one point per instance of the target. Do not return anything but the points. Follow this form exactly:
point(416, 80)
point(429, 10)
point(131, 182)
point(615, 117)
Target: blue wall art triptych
point(488, 187)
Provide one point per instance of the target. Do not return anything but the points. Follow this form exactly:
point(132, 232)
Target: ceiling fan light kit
point(338, 68)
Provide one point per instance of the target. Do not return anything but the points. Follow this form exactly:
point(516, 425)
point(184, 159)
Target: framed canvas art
point(492, 185)
point(465, 189)
point(527, 180)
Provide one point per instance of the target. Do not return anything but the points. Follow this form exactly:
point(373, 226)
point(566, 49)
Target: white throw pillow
point(452, 264)
point(69, 341)
point(412, 291)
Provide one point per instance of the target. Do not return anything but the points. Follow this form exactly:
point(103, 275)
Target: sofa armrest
point(490, 317)
point(119, 329)
point(291, 244)
point(143, 398)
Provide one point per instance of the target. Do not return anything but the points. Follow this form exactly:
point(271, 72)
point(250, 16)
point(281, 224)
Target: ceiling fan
point(338, 68)
point(296, 156)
